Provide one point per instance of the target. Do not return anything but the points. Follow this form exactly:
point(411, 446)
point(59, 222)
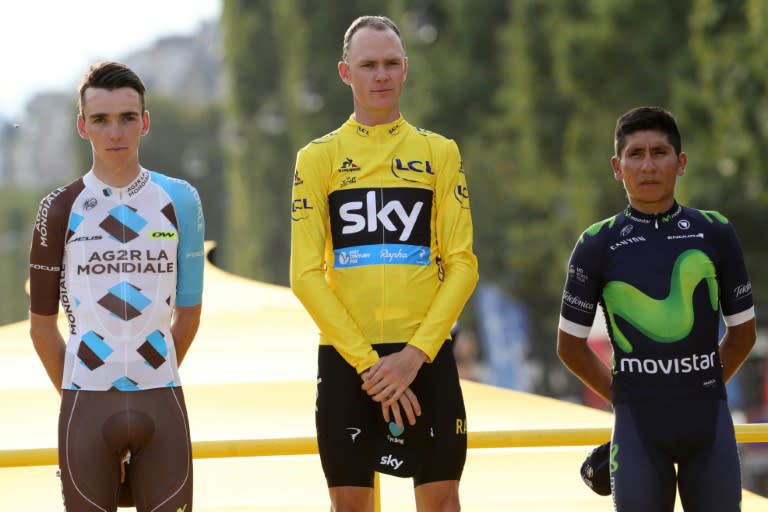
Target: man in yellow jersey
point(381, 257)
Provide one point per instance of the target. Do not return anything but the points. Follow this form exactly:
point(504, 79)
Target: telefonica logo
point(577, 302)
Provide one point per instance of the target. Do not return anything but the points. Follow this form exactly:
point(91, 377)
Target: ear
point(405, 69)
point(616, 166)
point(81, 127)
point(682, 161)
point(145, 123)
point(344, 72)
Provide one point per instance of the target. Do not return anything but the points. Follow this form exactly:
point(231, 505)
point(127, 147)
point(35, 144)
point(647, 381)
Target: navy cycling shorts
point(661, 447)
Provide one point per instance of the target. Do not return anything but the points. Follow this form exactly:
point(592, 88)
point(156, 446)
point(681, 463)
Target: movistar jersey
point(663, 281)
point(118, 261)
point(381, 239)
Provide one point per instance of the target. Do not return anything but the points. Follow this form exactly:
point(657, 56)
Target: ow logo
point(369, 217)
point(162, 235)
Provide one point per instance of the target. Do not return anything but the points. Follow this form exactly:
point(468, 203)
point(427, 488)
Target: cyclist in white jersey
point(120, 251)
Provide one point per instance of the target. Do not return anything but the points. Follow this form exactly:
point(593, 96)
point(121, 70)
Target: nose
point(381, 74)
point(114, 130)
point(647, 165)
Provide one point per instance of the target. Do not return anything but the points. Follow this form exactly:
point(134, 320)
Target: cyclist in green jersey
point(665, 276)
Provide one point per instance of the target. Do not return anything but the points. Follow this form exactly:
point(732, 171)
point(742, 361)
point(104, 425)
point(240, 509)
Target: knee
point(350, 507)
point(446, 504)
point(359, 501)
point(450, 505)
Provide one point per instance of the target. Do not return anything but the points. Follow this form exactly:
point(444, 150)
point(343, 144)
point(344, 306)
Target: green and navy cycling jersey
point(663, 282)
point(118, 260)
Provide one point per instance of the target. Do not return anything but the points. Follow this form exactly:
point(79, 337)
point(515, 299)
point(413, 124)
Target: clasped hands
point(388, 382)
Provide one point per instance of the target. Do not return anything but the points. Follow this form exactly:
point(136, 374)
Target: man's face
point(375, 68)
point(648, 166)
point(113, 121)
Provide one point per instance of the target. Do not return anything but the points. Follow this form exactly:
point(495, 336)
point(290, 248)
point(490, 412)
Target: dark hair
point(110, 75)
point(374, 22)
point(646, 118)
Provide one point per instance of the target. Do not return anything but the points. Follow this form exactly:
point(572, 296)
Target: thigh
point(642, 475)
point(88, 465)
point(710, 479)
point(344, 418)
point(438, 389)
point(161, 466)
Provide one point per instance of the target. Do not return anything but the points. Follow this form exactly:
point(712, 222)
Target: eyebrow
point(120, 114)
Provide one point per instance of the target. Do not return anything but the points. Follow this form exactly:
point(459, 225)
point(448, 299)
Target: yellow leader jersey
point(381, 238)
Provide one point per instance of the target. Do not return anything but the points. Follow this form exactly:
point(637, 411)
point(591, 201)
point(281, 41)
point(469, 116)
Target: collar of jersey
point(378, 133)
point(94, 183)
point(631, 213)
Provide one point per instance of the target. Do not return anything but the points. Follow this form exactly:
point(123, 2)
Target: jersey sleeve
point(46, 253)
point(583, 287)
point(309, 231)
point(736, 298)
point(190, 253)
point(456, 257)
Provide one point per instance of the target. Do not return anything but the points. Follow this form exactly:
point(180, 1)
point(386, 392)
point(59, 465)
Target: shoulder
point(319, 151)
point(709, 220)
point(716, 225)
point(319, 143)
point(175, 187)
point(62, 198)
point(184, 198)
point(712, 217)
point(434, 138)
point(600, 230)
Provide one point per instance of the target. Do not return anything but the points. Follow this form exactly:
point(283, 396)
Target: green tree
point(18, 208)
point(725, 106)
point(281, 61)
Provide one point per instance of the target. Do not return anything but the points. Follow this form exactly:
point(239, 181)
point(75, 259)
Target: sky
point(46, 45)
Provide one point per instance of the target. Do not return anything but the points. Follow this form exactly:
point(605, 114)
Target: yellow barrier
point(745, 433)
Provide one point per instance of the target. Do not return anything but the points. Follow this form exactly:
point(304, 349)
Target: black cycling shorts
point(649, 438)
point(96, 427)
point(347, 419)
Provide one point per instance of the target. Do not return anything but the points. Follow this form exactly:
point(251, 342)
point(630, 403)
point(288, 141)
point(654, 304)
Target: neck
point(654, 208)
point(376, 118)
point(117, 177)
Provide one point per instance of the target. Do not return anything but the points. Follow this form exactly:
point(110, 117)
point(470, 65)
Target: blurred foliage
point(531, 90)
point(18, 208)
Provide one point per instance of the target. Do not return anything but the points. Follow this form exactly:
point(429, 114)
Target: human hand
point(125, 458)
point(387, 380)
point(409, 404)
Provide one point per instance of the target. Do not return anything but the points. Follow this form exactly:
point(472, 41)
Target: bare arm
point(184, 326)
point(49, 345)
point(579, 358)
point(735, 347)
